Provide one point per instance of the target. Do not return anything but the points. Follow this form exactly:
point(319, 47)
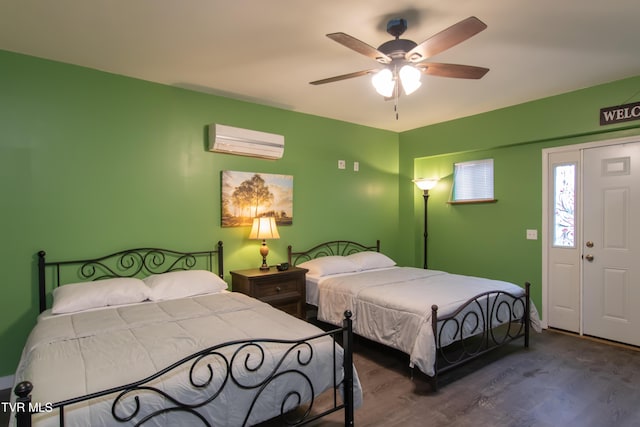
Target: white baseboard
point(6, 382)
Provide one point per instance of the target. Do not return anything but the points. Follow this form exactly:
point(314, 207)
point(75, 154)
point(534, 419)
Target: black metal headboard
point(333, 247)
point(139, 262)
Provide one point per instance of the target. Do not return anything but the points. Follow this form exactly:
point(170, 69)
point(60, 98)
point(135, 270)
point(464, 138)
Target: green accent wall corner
point(489, 240)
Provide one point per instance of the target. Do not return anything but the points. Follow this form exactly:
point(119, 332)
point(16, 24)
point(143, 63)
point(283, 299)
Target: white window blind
point(473, 180)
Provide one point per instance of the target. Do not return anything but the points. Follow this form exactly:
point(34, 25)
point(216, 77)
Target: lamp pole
point(425, 195)
point(425, 185)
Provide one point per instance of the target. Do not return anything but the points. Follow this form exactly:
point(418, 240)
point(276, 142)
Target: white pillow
point(180, 284)
point(100, 293)
point(368, 260)
point(327, 265)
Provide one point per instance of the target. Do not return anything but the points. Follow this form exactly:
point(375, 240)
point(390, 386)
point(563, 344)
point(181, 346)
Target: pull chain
point(396, 90)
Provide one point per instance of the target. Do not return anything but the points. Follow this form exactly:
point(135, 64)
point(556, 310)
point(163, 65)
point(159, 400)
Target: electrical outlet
point(532, 234)
point(342, 164)
point(356, 166)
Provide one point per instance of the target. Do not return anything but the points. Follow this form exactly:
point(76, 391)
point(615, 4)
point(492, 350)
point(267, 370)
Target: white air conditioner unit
point(244, 142)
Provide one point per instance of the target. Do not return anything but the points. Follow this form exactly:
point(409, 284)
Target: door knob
point(589, 244)
point(589, 257)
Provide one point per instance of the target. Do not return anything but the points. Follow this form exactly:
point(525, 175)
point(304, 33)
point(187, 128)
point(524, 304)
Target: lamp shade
point(410, 78)
point(383, 82)
point(425, 184)
point(264, 228)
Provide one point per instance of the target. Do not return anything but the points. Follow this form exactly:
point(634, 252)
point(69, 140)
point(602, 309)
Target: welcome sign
point(620, 113)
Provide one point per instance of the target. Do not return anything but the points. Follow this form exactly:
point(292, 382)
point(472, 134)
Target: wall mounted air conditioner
point(244, 142)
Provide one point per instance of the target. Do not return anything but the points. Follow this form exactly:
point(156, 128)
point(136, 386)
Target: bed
point(440, 320)
point(153, 337)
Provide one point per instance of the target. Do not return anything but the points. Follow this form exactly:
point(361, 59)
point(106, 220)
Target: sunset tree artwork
point(246, 195)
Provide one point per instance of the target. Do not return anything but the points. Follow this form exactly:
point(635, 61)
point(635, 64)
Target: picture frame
point(247, 195)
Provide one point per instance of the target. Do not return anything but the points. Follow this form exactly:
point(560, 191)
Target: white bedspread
point(393, 306)
point(72, 355)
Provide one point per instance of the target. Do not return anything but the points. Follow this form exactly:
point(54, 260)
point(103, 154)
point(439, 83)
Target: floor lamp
point(425, 185)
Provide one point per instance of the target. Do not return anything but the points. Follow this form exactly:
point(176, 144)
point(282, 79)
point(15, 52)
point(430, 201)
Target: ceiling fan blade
point(344, 77)
point(452, 70)
point(360, 47)
point(446, 39)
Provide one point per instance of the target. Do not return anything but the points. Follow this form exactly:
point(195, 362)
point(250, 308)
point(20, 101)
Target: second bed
point(439, 319)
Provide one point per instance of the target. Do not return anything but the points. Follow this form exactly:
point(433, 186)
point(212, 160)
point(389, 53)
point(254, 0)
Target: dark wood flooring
point(561, 380)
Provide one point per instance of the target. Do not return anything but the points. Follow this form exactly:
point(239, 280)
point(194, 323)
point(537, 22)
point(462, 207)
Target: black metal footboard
point(211, 370)
point(485, 322)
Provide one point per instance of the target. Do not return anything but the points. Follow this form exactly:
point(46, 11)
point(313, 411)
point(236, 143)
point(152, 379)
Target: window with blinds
point(473, 181)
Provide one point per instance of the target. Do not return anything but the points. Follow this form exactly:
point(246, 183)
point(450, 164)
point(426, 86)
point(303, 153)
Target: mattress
point(393, 306)
point(72, 355)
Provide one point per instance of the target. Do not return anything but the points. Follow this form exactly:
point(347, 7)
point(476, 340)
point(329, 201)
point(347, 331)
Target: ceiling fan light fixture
point(402, 58)
point(410, 78)
point(383, 82)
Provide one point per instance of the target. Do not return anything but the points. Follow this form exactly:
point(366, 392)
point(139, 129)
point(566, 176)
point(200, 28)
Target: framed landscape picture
point(246, 195)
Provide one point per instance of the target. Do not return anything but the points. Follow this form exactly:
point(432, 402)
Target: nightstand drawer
point(284, 290)
point(276, 287)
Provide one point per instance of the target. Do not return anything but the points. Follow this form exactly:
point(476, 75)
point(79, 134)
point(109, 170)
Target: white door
point(564, 250)
point(611, 242)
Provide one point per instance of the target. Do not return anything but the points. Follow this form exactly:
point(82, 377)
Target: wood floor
point(562, 380)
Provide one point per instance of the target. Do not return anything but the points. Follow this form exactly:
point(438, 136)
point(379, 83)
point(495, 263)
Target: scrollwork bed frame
point(145, 261)
point(332, 248)
point(473, 334)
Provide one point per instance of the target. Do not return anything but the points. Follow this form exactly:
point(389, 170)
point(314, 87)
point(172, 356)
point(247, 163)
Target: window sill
point(470, 202)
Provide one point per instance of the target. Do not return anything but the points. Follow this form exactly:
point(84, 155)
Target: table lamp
point(264, 228)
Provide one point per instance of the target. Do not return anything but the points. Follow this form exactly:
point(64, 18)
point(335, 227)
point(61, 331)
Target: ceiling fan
point(403, 59)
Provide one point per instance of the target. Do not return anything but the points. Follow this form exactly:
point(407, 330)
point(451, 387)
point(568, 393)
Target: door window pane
point(564, 183)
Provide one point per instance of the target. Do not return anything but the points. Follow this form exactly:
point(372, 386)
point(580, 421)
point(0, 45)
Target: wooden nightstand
point(284, 290)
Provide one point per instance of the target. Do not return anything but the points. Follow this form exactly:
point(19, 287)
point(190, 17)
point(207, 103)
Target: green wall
point(489, 239)
point(94, 162)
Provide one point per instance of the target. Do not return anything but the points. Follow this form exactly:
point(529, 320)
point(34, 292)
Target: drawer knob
point(278, 289)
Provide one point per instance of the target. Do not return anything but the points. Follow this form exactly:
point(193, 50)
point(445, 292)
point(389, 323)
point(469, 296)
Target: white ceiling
point(267, 51)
